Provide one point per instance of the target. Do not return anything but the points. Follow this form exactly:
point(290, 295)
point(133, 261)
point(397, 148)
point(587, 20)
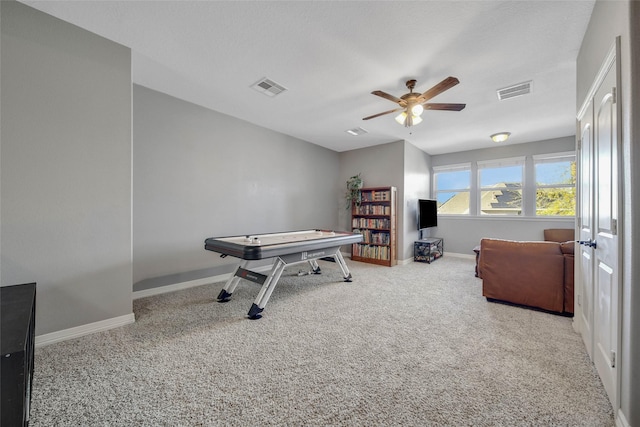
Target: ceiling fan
point(413, 104)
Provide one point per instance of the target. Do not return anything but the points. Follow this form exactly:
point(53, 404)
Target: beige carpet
point(413, 345)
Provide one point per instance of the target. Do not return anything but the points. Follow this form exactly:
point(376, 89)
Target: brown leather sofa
point(534, 274)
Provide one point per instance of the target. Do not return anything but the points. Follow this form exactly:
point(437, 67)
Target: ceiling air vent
point(515, 90)
point(268, 87)
point(356, 131)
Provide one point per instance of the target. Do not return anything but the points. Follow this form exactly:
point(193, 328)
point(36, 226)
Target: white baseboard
point(621, 420)
point(104, 325)
point(191, 283)
point(79, 331)
point(178, 286)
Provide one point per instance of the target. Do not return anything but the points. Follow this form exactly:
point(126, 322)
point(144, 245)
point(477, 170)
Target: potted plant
point(354, 185)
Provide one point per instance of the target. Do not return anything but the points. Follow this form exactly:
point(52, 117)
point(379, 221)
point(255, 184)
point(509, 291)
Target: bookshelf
point(375, 218)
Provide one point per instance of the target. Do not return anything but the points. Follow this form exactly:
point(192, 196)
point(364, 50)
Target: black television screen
point(427, 214)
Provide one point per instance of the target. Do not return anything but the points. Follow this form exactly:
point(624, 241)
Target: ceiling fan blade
point(447, 107)
point(382, 114)
point(446, 84)
point(385, 95)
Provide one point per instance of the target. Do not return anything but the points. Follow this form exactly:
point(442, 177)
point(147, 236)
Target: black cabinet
point(17, 336)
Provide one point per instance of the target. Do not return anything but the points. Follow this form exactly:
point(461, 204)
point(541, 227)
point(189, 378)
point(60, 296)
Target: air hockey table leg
point(315, 268)
point(230, 285)
point(266, 290)
point(343, 266)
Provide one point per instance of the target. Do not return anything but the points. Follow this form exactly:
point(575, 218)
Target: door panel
point(585, 298)
point(605, 254)
point(604, 340)
point(604, 127)
point(584, 284)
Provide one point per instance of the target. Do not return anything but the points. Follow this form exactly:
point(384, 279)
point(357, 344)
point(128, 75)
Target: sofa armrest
point(569, 268)
point(568, 248)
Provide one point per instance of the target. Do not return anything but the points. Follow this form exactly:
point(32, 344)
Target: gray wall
point(405, 166)
point(609, 20)
point(398, 164)
point(462, 233)
point(379, 166)
point(198, 173)
point(65, 168)
point(417, 185)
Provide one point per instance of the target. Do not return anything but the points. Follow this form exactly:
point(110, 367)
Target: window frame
point(454, 168)
point(496, 164)
point(551, 158)
point(528, 187)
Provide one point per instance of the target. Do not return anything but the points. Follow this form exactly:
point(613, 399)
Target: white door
point(597, 273)
point(584, 272)
point(605, 253)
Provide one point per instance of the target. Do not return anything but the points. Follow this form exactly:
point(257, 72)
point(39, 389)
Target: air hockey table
point(288, 248)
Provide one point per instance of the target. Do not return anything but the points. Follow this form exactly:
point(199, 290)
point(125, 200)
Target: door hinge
point(580, 144)
point(614, 94)
point(614, 226)
point(613, 359)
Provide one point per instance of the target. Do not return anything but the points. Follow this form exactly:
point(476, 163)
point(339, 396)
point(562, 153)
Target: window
point(453, 184)
point(555, 185)
point(531, 185)
point(500, 183)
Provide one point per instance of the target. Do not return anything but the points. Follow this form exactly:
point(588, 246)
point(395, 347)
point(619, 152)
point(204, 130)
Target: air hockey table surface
point(261, 246)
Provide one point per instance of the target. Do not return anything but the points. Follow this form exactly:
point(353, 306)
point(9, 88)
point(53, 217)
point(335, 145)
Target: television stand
point(428, 249)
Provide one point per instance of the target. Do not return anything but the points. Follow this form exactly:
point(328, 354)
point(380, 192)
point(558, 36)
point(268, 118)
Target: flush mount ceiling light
point(500, 136)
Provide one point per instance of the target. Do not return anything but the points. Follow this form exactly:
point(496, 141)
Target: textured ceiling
point(330, 55)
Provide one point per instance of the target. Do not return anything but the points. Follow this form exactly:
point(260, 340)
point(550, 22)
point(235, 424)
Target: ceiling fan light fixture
point(417, 109)
point(416, 120)
point(408, 120)
point(500, 136)
point(400, 118)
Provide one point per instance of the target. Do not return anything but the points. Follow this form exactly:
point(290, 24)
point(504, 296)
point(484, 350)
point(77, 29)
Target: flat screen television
point(427, 213)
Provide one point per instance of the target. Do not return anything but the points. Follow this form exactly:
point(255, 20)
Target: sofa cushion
point(558, 234)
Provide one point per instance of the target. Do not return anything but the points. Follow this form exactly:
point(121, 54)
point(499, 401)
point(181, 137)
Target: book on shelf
point(374, 237)
point(372, 251)
point(379, 223)
point(372, 210)
point(376, 196)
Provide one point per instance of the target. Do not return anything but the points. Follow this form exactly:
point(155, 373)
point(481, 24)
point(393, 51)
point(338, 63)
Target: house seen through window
point(453, 187)
point(501, 187)
point(540, 185)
